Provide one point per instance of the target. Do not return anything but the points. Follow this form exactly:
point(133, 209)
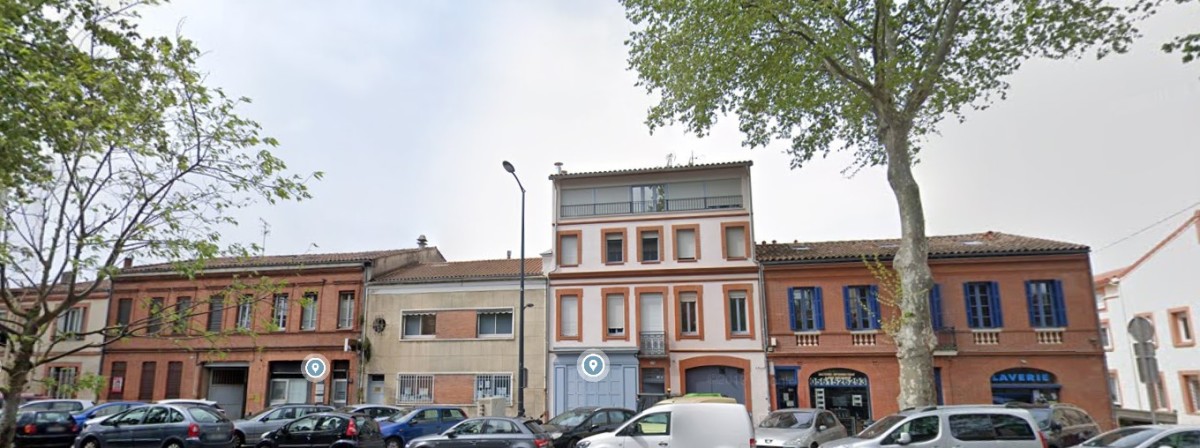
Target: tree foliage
point(112, 145)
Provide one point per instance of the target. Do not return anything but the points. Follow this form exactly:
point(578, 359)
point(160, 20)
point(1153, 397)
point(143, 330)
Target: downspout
point(764, 332)
point(368, 271)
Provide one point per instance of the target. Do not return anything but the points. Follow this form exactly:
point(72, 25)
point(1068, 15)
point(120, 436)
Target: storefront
point(845, 392)
point(787, 387)
point(1025, 385)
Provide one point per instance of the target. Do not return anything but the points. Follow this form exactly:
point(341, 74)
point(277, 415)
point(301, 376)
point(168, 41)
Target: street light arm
point(522, 187)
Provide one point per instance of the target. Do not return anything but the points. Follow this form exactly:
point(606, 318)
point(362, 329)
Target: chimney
point(558, 167)
point(422, 241)
point(128, 263)
point(509, 257)
point(66, 277)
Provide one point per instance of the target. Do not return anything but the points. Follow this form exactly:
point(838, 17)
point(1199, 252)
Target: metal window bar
point(652, 343)
point(414, 388)
point(487, 386)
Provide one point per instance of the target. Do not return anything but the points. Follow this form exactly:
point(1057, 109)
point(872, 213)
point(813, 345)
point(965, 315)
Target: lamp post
point(521, 376)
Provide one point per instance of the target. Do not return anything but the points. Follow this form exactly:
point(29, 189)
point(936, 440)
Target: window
point(487, 386)
point(806, 309)
point(308, 311)
point(124, 310)
point(654, 381)
point(568, 248)
point(569, 315)
point(687, 243)
point(1179, 439)
point(245, 313)
point(1106, 335)
point(614, 316)
point(737, 307)
point(495, 323)
point(183, 315)
point(689, 314)
point(70, 323)
point(146, 386)
point(921, 429)
point(972, 427)
point(63, 385)
point(1191, 391)
point(862, 308)
point(414, 388)
point(1163, 400)
point(614, 246)
point(1046, 306)
point(154, 324)
point(658, 424)
point(216, 313)
point(649, 245)
point(417, 325)
point(983, 305)
point(345, 310)
point(1114, 387)
point(116, 381)
point(1181, 327)
point(735, 244)
point(174, 379)
point(649, 198)
point(280, 312)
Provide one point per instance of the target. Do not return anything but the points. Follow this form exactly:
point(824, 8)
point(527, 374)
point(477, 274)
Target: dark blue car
point(103, 409)
point(425, 420)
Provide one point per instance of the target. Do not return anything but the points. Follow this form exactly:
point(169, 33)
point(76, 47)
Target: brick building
point(264, 335)
point(1014, 316)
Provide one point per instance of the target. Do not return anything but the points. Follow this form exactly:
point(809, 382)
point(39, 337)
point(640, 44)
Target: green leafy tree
point(1187, 45)
point(111, 146)
point(873, 77)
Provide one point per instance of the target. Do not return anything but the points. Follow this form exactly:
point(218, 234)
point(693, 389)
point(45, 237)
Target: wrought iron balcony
point(652, 344)
point(658, 206)
point(947, 339)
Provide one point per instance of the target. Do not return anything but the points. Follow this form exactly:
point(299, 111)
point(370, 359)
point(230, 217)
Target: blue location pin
point(593, 365)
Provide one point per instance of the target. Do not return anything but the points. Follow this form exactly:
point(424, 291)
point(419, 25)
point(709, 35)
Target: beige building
point(446, 334)
point(78, 353)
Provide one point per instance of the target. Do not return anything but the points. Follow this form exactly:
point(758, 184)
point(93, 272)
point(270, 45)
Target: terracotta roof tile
point(948, 246)
point(462, 270)
point(276, 260)
point(656, 169)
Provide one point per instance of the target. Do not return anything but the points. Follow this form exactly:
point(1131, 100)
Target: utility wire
point(1151, 226)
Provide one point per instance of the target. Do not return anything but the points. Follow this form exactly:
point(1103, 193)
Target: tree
point(122, 150)
point(1188, 45)
point(872, 77)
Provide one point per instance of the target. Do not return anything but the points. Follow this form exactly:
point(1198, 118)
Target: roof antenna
point(266, 230)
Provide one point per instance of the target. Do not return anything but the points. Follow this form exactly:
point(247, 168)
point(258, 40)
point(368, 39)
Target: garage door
point(727, 381)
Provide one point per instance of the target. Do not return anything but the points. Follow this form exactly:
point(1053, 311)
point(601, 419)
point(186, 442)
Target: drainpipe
point(368, 270)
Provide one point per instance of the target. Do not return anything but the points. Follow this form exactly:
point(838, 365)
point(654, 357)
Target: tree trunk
point(914, 336)
point(18, 377)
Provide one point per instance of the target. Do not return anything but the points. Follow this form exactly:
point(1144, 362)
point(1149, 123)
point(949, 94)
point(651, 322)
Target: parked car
point(799, 428)
point(375, 411)
point(103, 410)
point(45, 429)
point(249, 431)
point(160, 426)
point(1159, 436)
point(968, 427)
point(1064, 425)
point(57, 405)
point(400, 428)
point(498, 432)
point(326, 429)
point(192, 401)
point(681, 425)
point(572, 426)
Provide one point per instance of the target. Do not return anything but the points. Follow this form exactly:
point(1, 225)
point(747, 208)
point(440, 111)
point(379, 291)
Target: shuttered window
point(216, 313)
point(174, 378)
point(807, 309)
point(983, 305)
point(146, 387)
point(862, 307)
point(1046, 306)
point(935, 308)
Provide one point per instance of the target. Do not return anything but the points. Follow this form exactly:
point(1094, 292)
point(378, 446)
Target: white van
point(684, 425)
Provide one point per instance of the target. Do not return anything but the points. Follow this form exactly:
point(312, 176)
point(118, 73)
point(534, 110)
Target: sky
point(410, 107)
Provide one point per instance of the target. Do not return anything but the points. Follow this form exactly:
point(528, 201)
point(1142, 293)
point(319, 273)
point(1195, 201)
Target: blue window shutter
point(1030, 296)
point(972, 320)
point(846, 302)
point(1060, 305)
point(874, 301)
point(935, 307)
point(792, 307)
point(997, 310)
point(819, 308)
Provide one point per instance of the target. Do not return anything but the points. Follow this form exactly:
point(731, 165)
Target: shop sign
point(838, 378)
point(1023, 377)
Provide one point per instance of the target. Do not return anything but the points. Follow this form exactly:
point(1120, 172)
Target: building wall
point(1165, 281)
point(966, 371)
point(85, 361)
point(455, 354)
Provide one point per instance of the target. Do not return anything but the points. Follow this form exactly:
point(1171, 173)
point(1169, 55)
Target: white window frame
point(340, 386)
point(245, 313)
point(345, 310)
point(624, 328)
point(489, 382)
point(421, 331)
point(415, 382)
point(680, 237)
point(71, 321)
point(739, 315)
point(64, 376)
point(309, 311)
point(569, 244)
point(692, 316)
point(279, 314)
point(479, 316)
point(573, 316)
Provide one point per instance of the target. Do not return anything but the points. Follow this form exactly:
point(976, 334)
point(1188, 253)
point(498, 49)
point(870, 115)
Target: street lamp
point(521, 376)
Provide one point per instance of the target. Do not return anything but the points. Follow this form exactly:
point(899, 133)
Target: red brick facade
point(1073, 357)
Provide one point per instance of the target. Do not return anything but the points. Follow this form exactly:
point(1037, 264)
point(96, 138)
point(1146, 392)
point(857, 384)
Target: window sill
point(871, 331)
point(741, 336)
point(685, 260)
point(1050, 329)
point(422, 337)
point(806, 332)
point(736, 258)
point(568, 339)
point(569, 265)
point(614, 263)
point(696, 337)
point(652, 262)
point(986, 330)
point(1185, 344)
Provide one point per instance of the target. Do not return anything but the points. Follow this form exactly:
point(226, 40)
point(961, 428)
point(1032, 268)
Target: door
point(123, 425)
point(595, 424)
point(149, 433)
point(499, 434)
point(922, 431)
point(466, 435)
point(297, 433)
point(330, 429)
point(227, 387)
point(650, 431)
point(727, 381)
point(424, 422)
point(450, 417)
point(833, 428)
point(375, 393)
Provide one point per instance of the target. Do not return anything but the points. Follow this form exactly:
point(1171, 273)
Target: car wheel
point(394, 442)
point(90, 443)
point(238, 439)
point(572, 443)
point(173, 444)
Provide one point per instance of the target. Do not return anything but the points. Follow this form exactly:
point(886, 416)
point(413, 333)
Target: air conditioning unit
point(491, 407)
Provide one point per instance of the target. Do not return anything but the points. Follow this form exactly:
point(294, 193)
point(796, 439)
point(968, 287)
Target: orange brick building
point(1015, 319)
point(264, 336)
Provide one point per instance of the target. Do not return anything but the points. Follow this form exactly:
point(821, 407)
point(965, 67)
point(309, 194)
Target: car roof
point(797, 410)
point(965, 407)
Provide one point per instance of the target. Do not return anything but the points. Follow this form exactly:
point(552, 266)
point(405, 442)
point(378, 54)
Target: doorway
point(845, 392)
point(375, 393)
point(227, 387)
point(724, 380)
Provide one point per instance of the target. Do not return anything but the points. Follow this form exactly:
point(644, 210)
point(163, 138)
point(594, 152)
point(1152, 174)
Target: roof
point(650, 170)
point(1116, 274)
point(461, 270)
point(948, 246)
point(276, 260)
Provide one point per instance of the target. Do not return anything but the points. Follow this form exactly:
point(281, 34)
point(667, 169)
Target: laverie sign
point(1023, 377)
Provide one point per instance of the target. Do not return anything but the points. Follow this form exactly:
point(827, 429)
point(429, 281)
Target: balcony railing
point(652, 343)
point(950, 341)
point(659, 206)
point(947, 340)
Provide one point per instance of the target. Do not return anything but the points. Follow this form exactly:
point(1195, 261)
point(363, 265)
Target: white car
point(717, 425)
point(209, 403)
point(1160, 436)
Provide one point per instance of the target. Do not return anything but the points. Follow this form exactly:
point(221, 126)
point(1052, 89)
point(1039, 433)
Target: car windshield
point(881, 427)
point(570, 418)
point(399, 415)
point(1042, 415)
point(788, 420)
point(1125, 437)
point(261, 413)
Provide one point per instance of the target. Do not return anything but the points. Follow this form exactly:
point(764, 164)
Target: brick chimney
point(128, 263)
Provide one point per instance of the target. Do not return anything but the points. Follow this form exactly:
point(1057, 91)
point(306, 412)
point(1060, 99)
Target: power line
point(1151, 226)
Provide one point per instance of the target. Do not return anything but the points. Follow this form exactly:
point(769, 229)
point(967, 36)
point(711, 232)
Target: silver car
point(249, 431)
point(950, 426)
point(798, 428)
point(1148, 437)
point(160, 426)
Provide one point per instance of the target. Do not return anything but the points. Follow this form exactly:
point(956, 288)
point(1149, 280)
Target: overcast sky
point(410, 107)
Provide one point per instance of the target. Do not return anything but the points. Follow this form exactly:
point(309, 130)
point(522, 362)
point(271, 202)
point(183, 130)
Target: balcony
point(652, 344)
point(658, 206)
point(947, 341)
point(950, 342)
